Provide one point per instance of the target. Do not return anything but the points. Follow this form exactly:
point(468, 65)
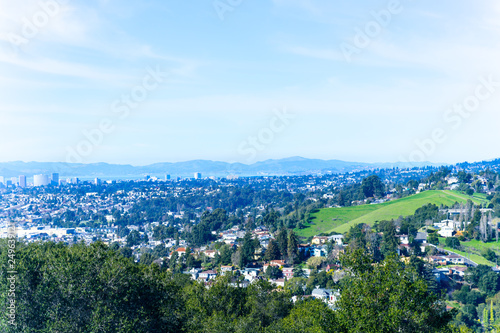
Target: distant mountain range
point(286, 166)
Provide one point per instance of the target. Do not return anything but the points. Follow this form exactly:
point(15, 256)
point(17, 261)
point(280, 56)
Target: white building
point(41, 180)
point(22, 181)
point(446, 232)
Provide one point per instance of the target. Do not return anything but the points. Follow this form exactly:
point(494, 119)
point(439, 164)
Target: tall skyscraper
point(22, 181)
point(197, 175)
point(55, 179)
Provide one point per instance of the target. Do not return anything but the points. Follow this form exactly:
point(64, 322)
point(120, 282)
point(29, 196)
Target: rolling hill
point(341, 219)
point(285, 166)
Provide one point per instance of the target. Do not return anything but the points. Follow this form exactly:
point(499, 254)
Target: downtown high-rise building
point(54, 179)
point(22, 181)
point(41, 180)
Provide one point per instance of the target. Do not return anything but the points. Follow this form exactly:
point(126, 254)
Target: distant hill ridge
point(285, 166)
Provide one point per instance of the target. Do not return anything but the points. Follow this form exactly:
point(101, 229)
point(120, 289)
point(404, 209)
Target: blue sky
point(241, 80)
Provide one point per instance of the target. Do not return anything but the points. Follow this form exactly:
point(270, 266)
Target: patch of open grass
point(342, 219)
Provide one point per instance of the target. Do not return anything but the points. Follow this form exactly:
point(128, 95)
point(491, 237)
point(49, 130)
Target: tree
point(161, 232)
point(272, 251)
point(490, 255)
point(432, 238)
point(282, 239)
point(315, 262)
point(387, 297)
point(173, 263)
point(372, 186)
point(147, 258)
point(489, 283)
point(389, 241)
point(310, 316)
point(224, 257)
point(298, 272)
point(273, 272)
point(247, 250)
point(452, 242)
point(296, 285)
point(190, 262)
point(474, 274)
point(133, 238)
point(92, 288)
point(293, 247)
point(126, 252)
point(122, 232)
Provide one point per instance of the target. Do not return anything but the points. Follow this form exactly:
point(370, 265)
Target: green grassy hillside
point(341, 219)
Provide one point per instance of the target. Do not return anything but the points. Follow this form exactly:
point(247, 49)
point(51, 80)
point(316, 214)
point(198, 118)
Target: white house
point(446, 231)
point(328, 296)
point(337, 239)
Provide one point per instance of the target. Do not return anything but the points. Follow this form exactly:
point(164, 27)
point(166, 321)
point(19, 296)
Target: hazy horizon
point(232, 162)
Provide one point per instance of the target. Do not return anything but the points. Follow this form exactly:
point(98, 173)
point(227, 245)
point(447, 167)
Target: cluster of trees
point(201, 233)
point(94, 288)
point(285, 247)
point(363, 236)
point(477, 299)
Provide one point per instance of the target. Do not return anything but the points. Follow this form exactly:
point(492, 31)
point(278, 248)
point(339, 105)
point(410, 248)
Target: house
point(207, 275)
point(455, 259)
point(446, 231)
point(440, 273)
point(402, 248)
point(305, 249)
point(328, 296)
point(288, 272)
point(458, 271)
point(210, 253)
point(319, 240)
point(403, 239)
point(194, 272)
point(279, 282)
point(225, 269)
point(250, 272)
point(239, 284)
point(318, 252)
point(421, 237)
point(181, 250)
point(279, 263)
point(438, 260)
point(337, 239)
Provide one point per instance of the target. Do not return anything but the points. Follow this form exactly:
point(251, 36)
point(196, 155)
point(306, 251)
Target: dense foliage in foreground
point(95, 289)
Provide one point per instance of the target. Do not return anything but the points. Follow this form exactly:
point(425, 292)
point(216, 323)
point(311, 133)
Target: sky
point(140, 82)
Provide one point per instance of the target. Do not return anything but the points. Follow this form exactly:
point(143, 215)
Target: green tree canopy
point(387, 297)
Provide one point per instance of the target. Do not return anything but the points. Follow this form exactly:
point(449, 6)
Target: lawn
point(342, 219)
point(481, 197)
point(479, 246)
point(327, 219)
point(471, 252)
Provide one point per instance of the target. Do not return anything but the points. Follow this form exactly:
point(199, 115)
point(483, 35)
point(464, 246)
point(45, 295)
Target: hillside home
point(319, 240)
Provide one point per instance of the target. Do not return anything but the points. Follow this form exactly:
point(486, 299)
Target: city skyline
point(129, 83)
